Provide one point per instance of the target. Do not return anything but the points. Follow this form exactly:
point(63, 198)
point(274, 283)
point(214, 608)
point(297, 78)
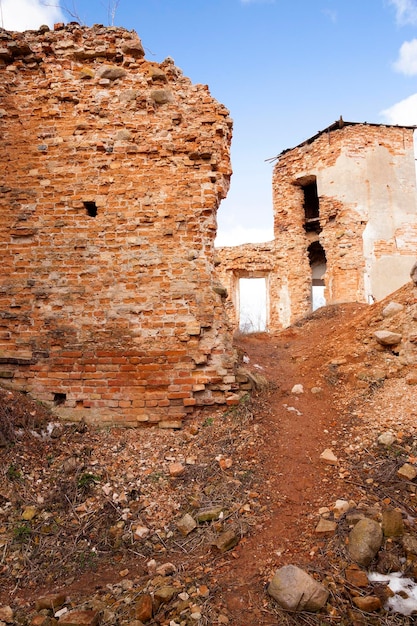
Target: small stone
point(176, 469)
point(141, 532)
point(203, 591)
point(328, 457)
point(387, 338)
point(392, 523)
point(409, 543)
point(316, 390)
point(407, 471)
point(79, 618)
point(391, 309)
point(386, 439)
point(166, 569)
point(356, 577)
point(227, 540)
point(297, 389)
point(165, 594)
point(144, 608)
point(186, 524)
point(52, 601)
point(367, 603)
point(325, 527)
point(6, 614)
point(340, 508)
point(207, 515)
point(29, 513)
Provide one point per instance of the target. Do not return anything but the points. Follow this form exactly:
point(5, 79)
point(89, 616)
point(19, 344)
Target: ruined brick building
point(113, 168)
point(345, 222)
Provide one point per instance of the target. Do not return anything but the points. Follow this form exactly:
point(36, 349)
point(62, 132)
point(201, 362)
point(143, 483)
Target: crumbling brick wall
point(361, 234)
point(113, 170)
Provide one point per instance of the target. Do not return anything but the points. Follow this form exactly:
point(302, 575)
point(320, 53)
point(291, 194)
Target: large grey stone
point(387, 337)
point(365, 540)
point(391, 309)
point(295, 590)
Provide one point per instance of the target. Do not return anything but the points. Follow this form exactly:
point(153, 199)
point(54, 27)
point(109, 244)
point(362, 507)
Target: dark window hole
point(91, 208)
point(59, 398)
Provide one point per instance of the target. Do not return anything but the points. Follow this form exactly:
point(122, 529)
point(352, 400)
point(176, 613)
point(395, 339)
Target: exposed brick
point(108, 225)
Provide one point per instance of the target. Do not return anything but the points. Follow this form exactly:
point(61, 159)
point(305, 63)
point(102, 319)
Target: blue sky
point(284, 68)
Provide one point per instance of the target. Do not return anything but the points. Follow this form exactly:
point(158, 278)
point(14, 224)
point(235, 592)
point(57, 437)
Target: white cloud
point(239, 234)
point(406, 11)
point(407, 60)
point(29, 14)
point(403, 112)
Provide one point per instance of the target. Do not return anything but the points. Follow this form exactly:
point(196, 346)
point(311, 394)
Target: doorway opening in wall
point(318, 265)
point(252, 305)
point(311, 204)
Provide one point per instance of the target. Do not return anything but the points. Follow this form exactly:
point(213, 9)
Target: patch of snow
point(406, 603)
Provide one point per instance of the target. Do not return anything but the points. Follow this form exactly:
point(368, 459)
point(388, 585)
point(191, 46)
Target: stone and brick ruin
point(113, 304)
point(113, 168)
point(345, 218)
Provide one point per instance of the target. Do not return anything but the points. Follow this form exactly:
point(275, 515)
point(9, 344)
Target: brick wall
point(113, 170)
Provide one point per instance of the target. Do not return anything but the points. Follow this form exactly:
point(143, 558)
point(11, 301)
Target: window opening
point(91, 208)
point(252, 305)
point(311, 208)
point(59, 398)
point(318, 265)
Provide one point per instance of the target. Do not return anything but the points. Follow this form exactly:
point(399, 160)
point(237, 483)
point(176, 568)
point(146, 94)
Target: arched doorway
point(318, 265)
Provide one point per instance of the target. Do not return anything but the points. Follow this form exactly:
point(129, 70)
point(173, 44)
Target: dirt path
point(296, 429)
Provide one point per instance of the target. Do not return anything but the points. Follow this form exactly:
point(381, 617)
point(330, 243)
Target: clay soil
point(92, 491)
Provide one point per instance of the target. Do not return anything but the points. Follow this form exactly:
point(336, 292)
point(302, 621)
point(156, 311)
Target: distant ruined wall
point(113, 168)
point(345, 216)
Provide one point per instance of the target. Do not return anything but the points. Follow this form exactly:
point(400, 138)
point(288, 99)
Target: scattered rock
point(386, 439)
point(409, 543)
point(6, 614)
point(79, 618)
point(340, 508)
point(325, 527)
point(392, 523)
point(387, 337)
point(391, 309)
point(176, 469)
point(388, 562)
point(52, 601)
point(166, 569)
point(297, 389)
point(356, 577)
point(327, 456)
point(144, 608)
point(365, 540)
point(207, 515)
point(367, 603)
point(227, 540)
point(295, 590)
point(186, 524)
point(407, 472)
